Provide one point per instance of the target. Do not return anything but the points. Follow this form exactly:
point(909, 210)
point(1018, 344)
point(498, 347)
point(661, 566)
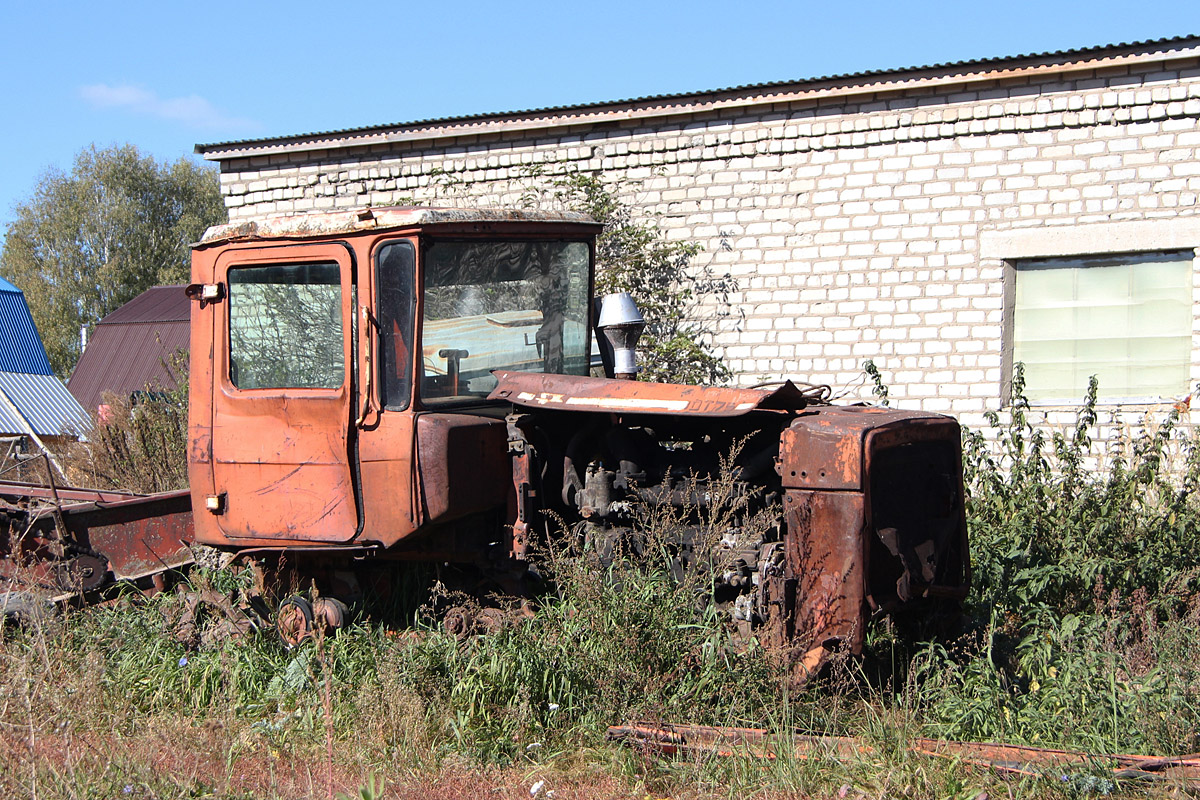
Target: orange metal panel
point(281, 457)
point(386, 474)
point(386, 439)
point(825, 556)
point(824, 447)
point(200, 474)
point(464, 465)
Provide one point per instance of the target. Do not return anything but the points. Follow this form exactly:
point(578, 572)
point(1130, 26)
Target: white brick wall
point(853, 232)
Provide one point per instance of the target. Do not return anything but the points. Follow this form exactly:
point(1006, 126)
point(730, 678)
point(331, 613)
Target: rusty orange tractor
point(390, 385)
point(400, 384)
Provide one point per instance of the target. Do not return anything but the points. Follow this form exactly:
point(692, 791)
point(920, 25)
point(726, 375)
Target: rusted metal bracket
point(205, 293)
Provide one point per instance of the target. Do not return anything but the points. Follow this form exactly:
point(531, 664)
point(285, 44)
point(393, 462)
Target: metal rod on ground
point(1009, 758)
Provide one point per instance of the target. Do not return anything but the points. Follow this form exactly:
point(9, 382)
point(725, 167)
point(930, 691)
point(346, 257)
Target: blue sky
point(167, 75)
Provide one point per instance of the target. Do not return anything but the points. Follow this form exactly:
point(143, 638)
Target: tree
point(633, 255)
point(91, 240)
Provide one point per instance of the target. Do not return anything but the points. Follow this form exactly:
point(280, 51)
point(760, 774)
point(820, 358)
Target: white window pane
point(1160, 317)
point(1101, 285)
point(1162, 276)
point(1125, 319)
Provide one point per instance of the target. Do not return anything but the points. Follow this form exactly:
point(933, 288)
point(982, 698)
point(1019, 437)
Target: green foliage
point(613, 645)
point(1085, 590)
point(371, 790)
point(878, 387)
point(634, 255)
point(1056, 526)
point(90, 240)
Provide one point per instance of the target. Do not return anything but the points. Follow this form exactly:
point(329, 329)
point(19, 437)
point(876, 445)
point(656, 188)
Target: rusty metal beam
point(1005, 758)
point(23, 490)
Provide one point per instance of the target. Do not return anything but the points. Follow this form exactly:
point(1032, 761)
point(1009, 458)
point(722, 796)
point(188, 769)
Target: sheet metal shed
point(31, 397)
point(132, 348)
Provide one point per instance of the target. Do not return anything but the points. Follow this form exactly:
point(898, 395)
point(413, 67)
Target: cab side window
point(395, 268)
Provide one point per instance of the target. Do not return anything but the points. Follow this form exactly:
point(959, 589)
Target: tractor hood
point(576, 393)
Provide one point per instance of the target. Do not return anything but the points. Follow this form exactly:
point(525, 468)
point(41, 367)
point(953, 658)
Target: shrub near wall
point(1086, 569)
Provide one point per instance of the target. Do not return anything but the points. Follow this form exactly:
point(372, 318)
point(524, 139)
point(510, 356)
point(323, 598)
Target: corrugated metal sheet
point(852, 77)
point(133, 347)
point(21, 348)
point(156, 304)
point(44, 402)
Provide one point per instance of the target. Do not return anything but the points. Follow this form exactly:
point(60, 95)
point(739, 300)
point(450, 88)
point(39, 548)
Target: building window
point(1127, 319)
point(396, 305)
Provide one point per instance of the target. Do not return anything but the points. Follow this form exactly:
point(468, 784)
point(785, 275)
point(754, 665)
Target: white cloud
point(191, 110)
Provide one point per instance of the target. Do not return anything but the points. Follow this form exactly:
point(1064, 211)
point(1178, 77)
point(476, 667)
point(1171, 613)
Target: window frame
point(454, 403)
point(234, 268)
point(1013, 266)
point(405, 401)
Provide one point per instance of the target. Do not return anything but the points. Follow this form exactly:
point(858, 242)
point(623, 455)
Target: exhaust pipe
point(620, 324)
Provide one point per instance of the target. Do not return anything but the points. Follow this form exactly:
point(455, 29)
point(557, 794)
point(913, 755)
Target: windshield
point(516, 305)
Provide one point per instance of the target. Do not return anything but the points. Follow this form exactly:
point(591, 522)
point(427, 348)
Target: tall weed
point(1085, 589)
point(139, 443)
point(624, 635)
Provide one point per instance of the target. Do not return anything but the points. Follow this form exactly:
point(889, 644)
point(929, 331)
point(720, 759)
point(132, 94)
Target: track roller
point(297, 618)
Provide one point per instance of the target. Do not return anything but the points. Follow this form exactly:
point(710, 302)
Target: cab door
point(282, 444)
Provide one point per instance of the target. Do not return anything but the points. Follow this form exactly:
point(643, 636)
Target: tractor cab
point(341, 365)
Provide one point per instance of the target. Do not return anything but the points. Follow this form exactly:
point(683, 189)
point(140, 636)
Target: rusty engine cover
point(875, 515)
point(872, 500)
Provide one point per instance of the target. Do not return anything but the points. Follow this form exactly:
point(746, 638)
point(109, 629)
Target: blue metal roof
point(21, 348)
point(44, 403)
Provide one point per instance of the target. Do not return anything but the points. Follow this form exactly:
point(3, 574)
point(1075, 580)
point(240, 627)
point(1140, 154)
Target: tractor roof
point(314, 225)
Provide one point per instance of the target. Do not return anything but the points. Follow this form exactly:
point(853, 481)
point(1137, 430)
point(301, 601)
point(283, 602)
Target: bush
point(634, 255)
point(1057, 528)
point(1085, 590)
point(139, 443)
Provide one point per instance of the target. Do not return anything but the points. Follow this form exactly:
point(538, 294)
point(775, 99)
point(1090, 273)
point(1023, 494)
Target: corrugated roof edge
point(205, 149)
point(155, 305)
point(295, 226)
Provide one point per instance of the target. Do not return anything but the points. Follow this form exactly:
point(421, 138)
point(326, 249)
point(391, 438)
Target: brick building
point(942, 221)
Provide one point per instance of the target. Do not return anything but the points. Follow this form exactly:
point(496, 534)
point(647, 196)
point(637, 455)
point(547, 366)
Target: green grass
point(1081, 632)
